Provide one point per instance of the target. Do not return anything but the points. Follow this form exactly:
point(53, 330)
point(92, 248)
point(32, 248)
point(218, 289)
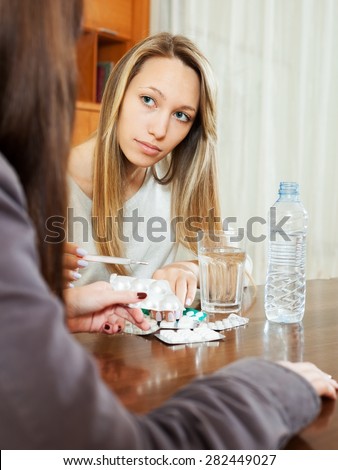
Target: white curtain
point(277, 70)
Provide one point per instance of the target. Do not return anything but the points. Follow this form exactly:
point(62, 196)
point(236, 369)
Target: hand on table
point(97, 308)
point(324, 384)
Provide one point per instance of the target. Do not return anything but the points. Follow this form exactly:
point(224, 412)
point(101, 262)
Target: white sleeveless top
point(146, 230)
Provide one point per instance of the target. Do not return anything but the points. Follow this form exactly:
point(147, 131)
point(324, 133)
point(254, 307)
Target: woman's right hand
point(324, 384)
point(98, 308)
point(72, 262)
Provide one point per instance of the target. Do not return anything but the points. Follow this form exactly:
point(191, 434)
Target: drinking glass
point(221, 256)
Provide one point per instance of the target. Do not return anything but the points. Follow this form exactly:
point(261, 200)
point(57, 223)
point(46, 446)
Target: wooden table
point(144, 372)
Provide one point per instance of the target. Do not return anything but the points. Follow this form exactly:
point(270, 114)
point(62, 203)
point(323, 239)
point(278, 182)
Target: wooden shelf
point(95, 46)
point(111, 27)
point(87, 106)
point(86, 120)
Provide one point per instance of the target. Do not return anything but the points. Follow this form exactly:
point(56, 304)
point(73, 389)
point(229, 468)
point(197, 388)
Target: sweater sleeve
point(251, 404)
point(52, 397)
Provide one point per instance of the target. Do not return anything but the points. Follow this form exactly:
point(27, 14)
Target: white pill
point(121, 285)
point(159, 287)
point(122, 282)
point(226, 323)
point(140, 285)
point(170, 303)
point(151, 304)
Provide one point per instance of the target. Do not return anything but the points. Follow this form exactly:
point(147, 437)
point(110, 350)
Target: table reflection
point(283, 341)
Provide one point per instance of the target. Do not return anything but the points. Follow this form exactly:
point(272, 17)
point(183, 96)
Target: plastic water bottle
point(285, 281)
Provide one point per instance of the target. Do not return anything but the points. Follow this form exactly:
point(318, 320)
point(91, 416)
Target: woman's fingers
point(112, 321)
point(322, 382)
point(111, 328)
point(329, 389)
point(134, 315)
point(70, 275)
point(185, 288)
point(90, 306)
point(73, 257)
point(70, 262)
point(182, 280)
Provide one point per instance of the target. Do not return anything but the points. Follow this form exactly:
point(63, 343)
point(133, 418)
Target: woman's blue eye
point(147, 100)
point(182, 116)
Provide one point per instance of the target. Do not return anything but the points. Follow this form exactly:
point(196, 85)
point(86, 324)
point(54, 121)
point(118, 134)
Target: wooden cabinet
point(111, 27)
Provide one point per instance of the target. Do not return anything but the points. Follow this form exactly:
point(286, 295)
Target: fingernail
point(171, 316)
point(188, 302)
point(82, 263)
point(70, 285)
point(81, 252)
point(141, 295)
point(158, 316)
point(76, 275)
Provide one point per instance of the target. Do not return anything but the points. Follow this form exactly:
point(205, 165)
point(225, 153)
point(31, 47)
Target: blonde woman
point(51, 393)
point(147, 180)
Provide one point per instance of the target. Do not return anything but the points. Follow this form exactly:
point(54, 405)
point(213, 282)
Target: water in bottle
point(286, 282)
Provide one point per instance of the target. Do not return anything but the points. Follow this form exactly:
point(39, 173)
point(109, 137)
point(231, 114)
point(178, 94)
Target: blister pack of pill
point(184, 336)
point(132, 329)
point(160, 298)
point(166, 307)
point(189, 320)
point(232, 321)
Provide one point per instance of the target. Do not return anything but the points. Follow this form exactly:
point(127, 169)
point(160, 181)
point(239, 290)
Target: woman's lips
point(148, 149)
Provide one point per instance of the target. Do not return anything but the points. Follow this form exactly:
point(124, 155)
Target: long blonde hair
point(192, 170)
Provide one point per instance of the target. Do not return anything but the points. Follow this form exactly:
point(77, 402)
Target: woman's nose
point(158, 126)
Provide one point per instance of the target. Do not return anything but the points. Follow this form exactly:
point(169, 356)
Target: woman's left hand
point(324, 384)
point(183, 279)
point(97, 308)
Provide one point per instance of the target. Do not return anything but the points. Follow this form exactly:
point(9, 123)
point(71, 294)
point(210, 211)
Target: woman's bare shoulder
point(80, 165)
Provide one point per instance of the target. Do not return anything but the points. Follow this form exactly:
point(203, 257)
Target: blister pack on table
point(199, 335)
point(232, 321)
point(169, 312)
